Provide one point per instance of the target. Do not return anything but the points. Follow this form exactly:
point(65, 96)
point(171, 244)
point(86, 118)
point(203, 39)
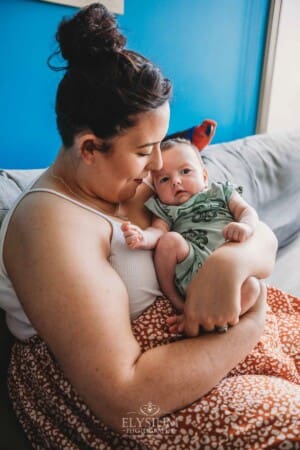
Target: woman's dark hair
point(105, 85)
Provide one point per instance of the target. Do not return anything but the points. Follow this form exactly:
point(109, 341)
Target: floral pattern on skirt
point(256, 406)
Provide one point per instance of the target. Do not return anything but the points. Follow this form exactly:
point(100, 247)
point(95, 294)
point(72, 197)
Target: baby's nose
point(176, 181)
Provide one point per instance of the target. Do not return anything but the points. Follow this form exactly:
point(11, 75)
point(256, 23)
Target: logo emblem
point(149, 409)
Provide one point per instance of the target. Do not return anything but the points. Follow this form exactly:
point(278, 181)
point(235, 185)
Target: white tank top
point(135, 268)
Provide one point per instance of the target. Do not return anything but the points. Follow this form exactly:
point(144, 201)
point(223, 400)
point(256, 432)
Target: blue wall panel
point(211, 50)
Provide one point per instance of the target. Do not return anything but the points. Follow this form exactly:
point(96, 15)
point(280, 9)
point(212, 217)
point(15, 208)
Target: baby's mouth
point(180, 191)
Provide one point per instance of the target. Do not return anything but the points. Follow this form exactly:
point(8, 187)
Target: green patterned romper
point(200, 220)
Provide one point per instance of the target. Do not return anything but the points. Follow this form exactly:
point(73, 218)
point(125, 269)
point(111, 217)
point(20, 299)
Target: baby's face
point(181, 176)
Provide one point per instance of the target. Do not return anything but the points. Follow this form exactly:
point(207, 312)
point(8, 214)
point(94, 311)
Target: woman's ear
point(88, 145)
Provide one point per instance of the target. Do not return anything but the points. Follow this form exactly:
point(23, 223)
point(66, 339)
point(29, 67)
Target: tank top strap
point(71, 200)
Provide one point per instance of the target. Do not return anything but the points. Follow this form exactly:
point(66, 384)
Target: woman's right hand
point(213, 298)
point(177, 324)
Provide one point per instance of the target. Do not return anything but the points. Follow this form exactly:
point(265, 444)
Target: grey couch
point(267, 166)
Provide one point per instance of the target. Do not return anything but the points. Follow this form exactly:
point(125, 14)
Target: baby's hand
point(134, 236)
point(237, 231)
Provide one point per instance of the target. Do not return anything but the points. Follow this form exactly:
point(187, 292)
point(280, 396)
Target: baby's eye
point(163, 179)
point(185, 171)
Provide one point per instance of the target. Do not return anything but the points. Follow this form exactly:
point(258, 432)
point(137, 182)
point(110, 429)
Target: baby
point(190, 221)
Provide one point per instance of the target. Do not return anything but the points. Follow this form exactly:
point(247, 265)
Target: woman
point(79, 370)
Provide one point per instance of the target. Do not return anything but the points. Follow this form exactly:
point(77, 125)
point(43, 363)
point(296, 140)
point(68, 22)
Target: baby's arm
point(246, 220)
point(136, 238)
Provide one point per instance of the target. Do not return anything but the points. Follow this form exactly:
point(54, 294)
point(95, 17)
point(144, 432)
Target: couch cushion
point(268, 167)
point(12, 183)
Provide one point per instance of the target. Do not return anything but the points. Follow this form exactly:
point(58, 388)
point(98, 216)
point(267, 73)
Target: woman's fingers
point(191, 327)
point(177, 324)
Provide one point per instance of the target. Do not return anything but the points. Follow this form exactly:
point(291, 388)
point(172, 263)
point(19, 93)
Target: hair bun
point(89, 35)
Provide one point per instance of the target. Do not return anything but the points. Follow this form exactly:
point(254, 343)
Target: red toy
point(203, 134)
point(200, 135)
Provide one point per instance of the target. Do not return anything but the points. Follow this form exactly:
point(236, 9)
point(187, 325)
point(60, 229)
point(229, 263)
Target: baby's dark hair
point(105, 85)
point(173, 142)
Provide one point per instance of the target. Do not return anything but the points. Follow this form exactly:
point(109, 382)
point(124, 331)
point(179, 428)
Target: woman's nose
point(156, 162)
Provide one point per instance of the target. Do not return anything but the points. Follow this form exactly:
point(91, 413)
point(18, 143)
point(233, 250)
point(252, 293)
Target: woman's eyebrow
point(148, 145)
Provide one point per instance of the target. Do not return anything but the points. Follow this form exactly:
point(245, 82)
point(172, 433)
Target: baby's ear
point(205, 176)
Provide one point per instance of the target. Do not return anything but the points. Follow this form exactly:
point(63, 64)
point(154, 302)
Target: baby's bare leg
point(250, 292)
point(170, 250)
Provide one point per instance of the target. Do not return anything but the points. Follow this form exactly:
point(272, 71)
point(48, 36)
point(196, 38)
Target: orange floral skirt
point(256, 406)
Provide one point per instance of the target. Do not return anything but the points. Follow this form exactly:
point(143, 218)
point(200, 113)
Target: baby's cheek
point(165, 196)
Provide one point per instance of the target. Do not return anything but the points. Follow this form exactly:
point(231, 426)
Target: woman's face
point(132, 156)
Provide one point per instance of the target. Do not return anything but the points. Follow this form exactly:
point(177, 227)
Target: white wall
point(280, 108)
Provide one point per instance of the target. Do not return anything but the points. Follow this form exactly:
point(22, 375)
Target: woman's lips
point(138, 180)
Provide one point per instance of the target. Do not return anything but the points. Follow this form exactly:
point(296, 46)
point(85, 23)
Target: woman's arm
point(218, 283)
point(79, 306)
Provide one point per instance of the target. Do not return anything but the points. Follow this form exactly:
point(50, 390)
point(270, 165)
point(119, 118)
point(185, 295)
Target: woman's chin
point(128, 194)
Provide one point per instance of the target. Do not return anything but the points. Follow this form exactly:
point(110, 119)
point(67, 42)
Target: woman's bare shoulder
point(44, 224)
point(47, 212)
